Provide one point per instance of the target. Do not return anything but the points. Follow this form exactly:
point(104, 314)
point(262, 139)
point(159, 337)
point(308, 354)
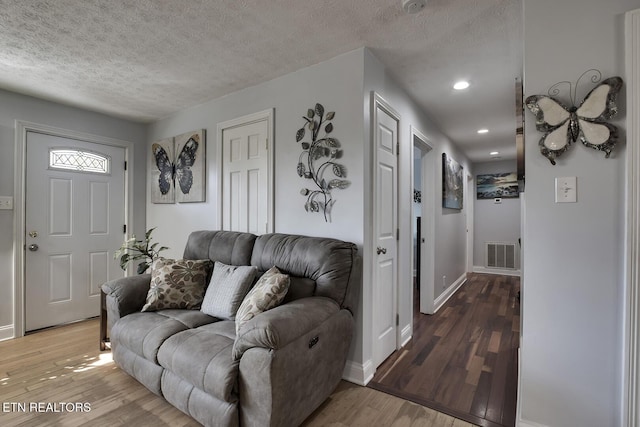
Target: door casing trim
point(19, 220)
point(630, 371)
point(377, 101)
point(420, 140)
point(267, 115)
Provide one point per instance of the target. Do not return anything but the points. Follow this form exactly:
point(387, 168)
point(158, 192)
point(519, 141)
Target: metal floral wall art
point(587, 122)
point(318, 160)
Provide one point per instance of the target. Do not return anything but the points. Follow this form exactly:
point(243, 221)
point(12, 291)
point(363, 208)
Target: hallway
point(463, 359)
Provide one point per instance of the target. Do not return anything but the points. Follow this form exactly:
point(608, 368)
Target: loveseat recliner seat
point(280, 366)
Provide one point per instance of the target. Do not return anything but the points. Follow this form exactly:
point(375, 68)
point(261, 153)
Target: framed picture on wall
point(178, 168)
point(452, 183)
point(493, 185)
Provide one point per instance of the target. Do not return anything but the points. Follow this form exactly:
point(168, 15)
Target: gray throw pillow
point(228, 286)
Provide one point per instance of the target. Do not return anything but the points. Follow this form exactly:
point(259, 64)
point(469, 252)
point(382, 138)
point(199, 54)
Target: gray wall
point(494, 222)
point(572, 304)
point(19, 107)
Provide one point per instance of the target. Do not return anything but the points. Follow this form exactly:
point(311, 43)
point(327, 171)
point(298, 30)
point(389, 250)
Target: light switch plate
point(6, 202)
point(566, 189)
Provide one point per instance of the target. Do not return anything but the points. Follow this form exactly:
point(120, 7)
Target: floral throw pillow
point(267, 293)
point(177, 284)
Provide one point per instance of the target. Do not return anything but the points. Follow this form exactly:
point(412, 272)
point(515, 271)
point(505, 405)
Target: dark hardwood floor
point(463, 360)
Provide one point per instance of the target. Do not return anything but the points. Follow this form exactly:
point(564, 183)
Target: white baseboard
point(479, 269)
point(444, 297)
point(358, 373)
point(6, 332)
point(405, 335)
point(525, 423)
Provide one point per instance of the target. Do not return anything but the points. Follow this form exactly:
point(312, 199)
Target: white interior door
point(245, 192)
point(74, 218)
point(385, 252)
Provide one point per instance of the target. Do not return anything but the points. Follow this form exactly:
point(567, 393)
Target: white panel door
point(245, 178)
point(74, 217)
point(385, 235)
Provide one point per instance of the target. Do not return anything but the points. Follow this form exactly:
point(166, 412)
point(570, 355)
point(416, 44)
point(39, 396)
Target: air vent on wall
point(501, 255)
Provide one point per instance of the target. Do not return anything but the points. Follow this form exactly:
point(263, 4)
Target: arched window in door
point(77, 160)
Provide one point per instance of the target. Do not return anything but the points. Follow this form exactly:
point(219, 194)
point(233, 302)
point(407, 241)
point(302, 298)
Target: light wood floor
point(65, 365)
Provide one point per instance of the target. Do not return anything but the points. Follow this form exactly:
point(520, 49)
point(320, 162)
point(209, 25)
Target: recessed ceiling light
point(483, 130)
point(461, 85)
point(494, 153)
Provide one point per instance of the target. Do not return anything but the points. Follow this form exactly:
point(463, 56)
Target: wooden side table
point(105, 344)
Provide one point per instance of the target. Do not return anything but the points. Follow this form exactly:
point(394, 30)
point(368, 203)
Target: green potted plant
point(133, 250)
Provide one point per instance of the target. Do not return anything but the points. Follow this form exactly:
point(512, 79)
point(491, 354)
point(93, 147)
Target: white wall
point(494, 222)
point(573, 277)
point(24, 108)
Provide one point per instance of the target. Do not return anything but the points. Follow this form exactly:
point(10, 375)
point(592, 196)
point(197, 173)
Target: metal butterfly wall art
point(587, 122)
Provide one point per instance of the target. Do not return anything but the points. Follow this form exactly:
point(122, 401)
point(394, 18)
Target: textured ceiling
point(145, 59)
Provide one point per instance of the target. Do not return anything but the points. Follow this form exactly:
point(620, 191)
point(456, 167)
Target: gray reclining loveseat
point(282, 364)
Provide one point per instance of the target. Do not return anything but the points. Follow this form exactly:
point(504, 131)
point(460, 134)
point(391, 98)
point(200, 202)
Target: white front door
point(385, 252)
point(245, 182)
point(74, 218)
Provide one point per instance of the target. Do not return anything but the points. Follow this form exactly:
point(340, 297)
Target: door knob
point(33, 247)
point(380, 250)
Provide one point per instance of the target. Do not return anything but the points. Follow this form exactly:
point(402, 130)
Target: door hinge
point(124, 229)
point(125, 165)
point(397, 234)
point(397, 319)
point(266, 143)
point(397, 148)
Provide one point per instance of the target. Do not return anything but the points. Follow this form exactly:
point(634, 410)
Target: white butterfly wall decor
point(563, 126)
